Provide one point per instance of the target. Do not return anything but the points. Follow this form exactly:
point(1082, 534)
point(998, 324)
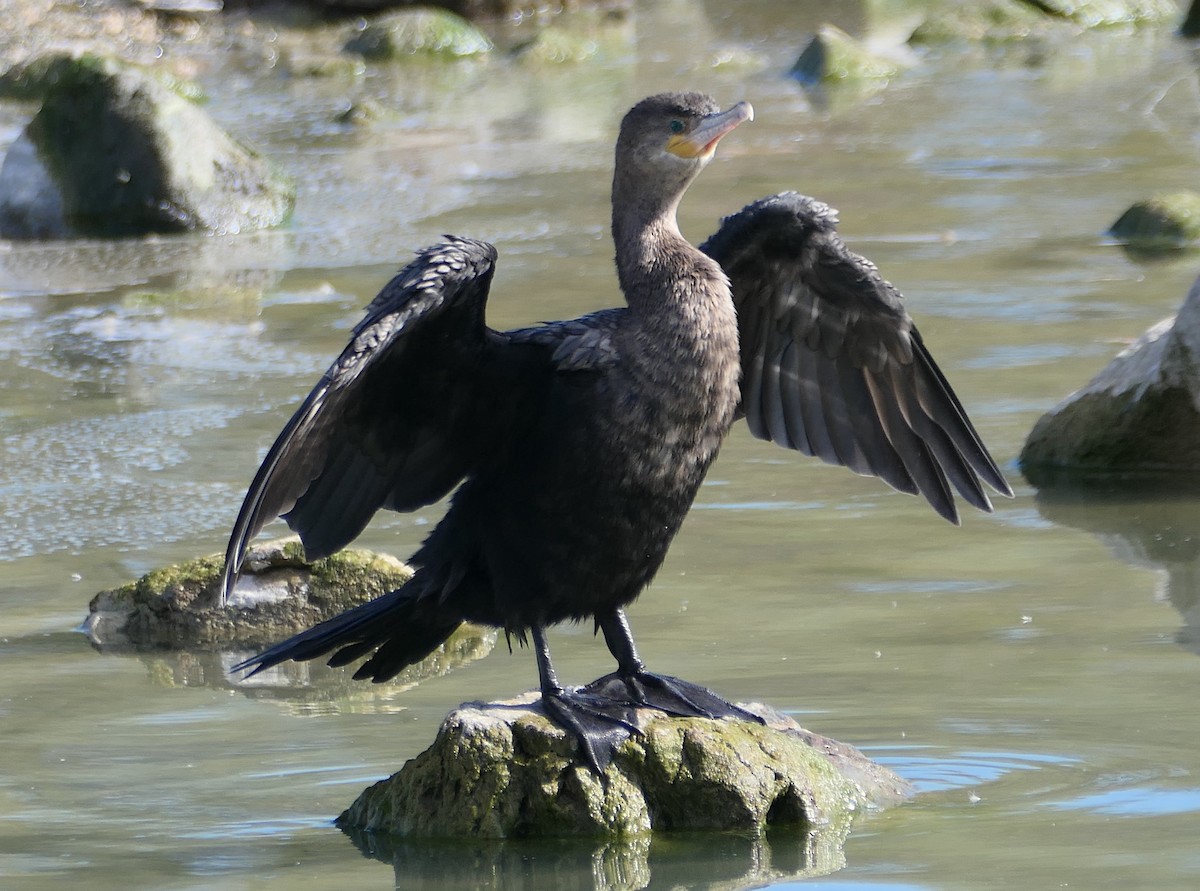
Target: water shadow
point(708, 861)
point(1145, 520)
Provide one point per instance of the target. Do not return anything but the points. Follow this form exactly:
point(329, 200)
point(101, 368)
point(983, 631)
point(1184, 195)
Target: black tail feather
point(403, 626)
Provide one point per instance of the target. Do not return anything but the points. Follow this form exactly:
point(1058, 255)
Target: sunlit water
point(1033, 672)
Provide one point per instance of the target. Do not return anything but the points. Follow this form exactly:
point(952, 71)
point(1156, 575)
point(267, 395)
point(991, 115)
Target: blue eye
point(676, 126)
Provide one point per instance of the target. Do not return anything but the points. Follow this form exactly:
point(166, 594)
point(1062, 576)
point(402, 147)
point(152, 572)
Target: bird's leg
point(599, 724)
point(631, 682)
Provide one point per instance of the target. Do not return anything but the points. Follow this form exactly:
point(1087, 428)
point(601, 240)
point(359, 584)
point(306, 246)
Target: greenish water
point(1032, 672)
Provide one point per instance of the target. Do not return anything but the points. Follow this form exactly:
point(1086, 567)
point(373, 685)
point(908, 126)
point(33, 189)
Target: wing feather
point(832, 363)
point(385, 426)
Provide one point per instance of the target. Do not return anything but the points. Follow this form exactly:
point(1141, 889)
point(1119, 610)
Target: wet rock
point(556, 46)
point(279, 594)
point(31, 79)
point(1106, 13)
point(834, 57)
point(423, 32)
point(502, 770)
point(475, 10)
point(1006, 20)
point(1139, 414)
point(1190, 27)
point(114, 152)
point(1166, 221)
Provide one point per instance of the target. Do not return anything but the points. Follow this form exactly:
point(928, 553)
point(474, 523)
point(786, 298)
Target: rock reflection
point(726, 861)
point(312, 687)
point(1149, 522)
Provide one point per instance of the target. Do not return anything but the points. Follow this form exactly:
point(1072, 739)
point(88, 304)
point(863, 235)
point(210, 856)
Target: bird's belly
point(610, 513)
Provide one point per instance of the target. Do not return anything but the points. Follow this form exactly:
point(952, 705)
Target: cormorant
point(574, 449)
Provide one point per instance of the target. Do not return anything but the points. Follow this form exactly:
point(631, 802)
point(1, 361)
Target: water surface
point(1032, 672)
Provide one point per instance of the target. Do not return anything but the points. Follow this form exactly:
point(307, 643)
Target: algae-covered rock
point(1107, 13)
point(424, 32)
point(834, 57)
point(990, 21)
point(1165, 221)
point(278, 594)
point(114, 152)
point(557, 46)
point(31, 79)
point(503, 770)
point(1139, 414)
point(1006, 20)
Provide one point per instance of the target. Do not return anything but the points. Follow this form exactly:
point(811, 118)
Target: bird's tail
point(402, 627)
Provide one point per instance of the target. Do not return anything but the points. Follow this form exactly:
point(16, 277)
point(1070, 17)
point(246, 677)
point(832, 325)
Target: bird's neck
point(652, 256)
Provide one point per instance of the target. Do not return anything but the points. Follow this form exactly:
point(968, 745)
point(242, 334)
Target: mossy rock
point(833, 57)
point(556, 46)
point(279, 594)
point(1137, 416)
point(1108, 13)
point(114, 153)
point(995, 21)
point(31, 79)
point(431, 33)
point(1167, 221)
point(504, 770)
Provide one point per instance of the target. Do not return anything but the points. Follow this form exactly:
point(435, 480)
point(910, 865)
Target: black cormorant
point(574, 449)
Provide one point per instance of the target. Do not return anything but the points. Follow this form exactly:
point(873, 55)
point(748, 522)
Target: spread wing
point(391, 423)
point(833, 366)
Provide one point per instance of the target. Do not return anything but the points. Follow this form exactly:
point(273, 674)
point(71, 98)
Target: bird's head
point(666, 140)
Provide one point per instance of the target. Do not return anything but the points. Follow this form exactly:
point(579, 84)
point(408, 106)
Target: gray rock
point(117, 153)
point(279, 593)
point(503, 770)
point(1138, 415)
point(1165, 221)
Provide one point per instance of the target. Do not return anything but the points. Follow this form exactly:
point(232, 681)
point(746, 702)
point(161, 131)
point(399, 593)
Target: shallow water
point(1032, 672)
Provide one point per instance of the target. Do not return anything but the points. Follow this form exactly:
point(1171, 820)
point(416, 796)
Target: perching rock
point(115, 152)
point(424, 32)
point(1139, 414)
point(834, 57)
point(503, 770)
point(1166, 221)
point(279, 594)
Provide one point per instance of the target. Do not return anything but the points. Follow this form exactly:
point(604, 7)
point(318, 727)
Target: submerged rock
point(425, 32)
point(504, 770)
point(834, 57)
point(115, 152)
point(279, 594)
point(1166, 221)
point(1138, 415)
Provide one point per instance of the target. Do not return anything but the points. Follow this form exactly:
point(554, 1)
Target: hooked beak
point(702, 141)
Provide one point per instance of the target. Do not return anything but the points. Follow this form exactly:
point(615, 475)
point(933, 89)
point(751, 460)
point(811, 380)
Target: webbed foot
point(671, 695)
point(599, 724)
